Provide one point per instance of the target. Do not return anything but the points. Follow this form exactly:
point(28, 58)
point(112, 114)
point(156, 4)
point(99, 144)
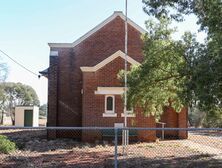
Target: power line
point(20, 64)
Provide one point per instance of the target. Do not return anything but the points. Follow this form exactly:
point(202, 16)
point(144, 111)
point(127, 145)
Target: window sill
point(128, 115)
point(109, 114)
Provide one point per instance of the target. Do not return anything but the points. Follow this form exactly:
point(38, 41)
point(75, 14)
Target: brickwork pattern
point(66, 104)
point(52, 95)
point(90, 52)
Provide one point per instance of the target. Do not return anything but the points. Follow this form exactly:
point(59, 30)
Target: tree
point(43, 110)
point(3, 72)
point(208, 12)
point(161, 78)
point(3, 76)
point(2, 104)
point(203, 86)
point(17, 94)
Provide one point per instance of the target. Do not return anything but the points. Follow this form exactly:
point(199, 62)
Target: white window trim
point(110, 111)
point(129, 113)
point(115, 55)
point(109, 90)
point(109, 115)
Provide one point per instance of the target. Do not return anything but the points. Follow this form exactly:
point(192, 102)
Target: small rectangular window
point(109, 103)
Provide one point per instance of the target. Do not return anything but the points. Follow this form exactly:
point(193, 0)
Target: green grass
point(6, 146)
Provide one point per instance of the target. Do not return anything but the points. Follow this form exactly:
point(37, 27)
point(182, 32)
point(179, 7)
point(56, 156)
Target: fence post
point(163, 125)
point(116, 148)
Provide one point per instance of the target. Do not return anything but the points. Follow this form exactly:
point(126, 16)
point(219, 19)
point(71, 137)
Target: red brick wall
point(52, 95)
point(170, 117)
point(65, 99)
point(144, 121)
point(174, 119)
point(182, 123)
point(94, 105)
point(90, 52)
point(107, 41)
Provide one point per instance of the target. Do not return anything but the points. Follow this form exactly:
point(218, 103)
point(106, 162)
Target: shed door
point(28, 119)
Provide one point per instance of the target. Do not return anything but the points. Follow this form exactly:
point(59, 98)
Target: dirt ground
point(212, 138)
point(42, 122)
point(34, 150)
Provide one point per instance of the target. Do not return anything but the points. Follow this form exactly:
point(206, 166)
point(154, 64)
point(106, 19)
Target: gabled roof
point(113, 16)
point(108, 60)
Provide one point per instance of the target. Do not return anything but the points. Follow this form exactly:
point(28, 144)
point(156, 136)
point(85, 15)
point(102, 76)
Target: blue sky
point(26, 26)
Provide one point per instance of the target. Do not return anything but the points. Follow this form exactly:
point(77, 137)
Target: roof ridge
point(98, 27)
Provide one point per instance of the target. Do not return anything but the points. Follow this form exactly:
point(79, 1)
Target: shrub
point(6, 146)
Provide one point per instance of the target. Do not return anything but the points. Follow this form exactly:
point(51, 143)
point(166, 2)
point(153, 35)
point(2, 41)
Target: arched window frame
point(113, 109)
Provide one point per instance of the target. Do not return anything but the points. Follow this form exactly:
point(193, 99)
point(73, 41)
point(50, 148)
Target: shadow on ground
point(105, 160)
point(194, 161)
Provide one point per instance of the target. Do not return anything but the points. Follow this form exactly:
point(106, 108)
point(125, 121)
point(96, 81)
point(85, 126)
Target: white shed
point(27, 116)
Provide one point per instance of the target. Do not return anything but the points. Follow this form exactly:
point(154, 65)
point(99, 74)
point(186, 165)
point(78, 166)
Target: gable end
point(108, 60)
point(98, 27)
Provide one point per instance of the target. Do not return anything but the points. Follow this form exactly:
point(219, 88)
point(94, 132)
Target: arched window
point(109, 104)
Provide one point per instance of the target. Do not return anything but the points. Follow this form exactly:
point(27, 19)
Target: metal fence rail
point(102, 147)
point(112, 128)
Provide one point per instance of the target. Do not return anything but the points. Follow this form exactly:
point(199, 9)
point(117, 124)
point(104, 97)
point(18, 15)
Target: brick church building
point(83, 88)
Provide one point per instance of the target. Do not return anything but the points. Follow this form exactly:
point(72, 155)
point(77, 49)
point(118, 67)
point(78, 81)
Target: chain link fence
point(103, 147)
